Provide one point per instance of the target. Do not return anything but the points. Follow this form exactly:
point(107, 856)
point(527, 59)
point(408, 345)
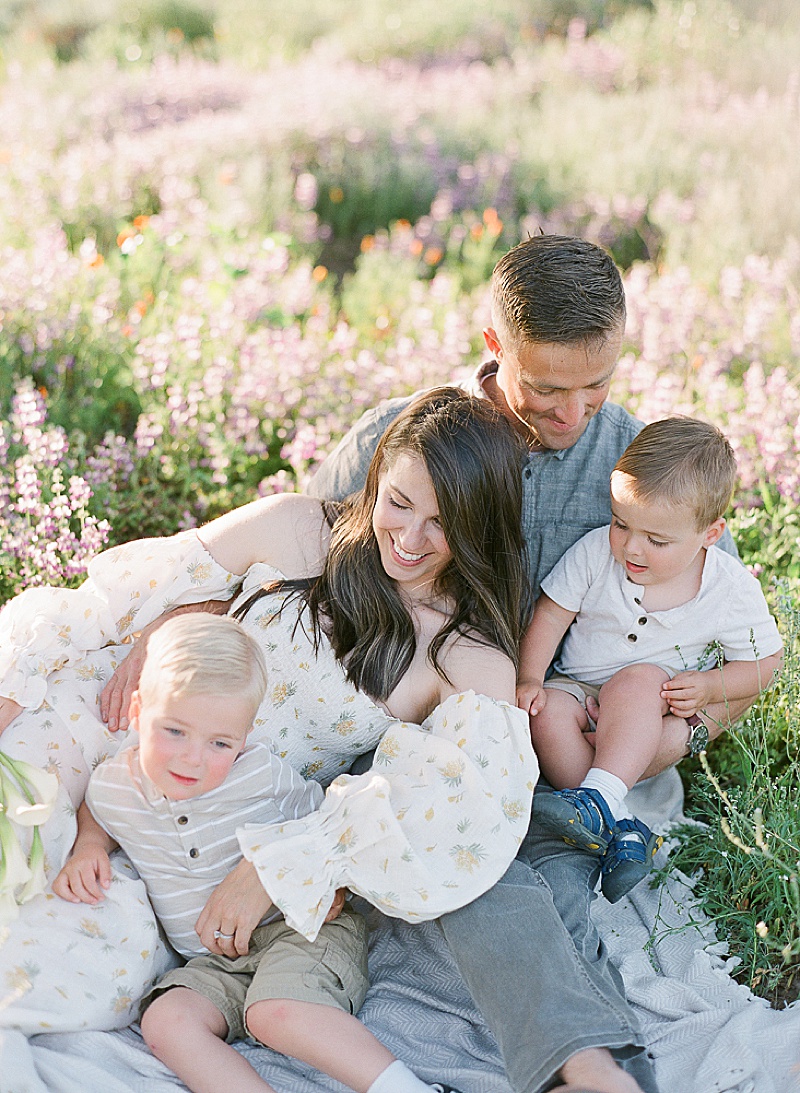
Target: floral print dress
point(433, 825)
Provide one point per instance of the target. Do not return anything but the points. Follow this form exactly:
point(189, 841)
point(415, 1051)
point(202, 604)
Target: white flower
point(8, 910)
point(38, 880)
point(14, 869)
point(27, 793)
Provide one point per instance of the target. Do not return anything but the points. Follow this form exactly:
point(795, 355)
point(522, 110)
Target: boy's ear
point(134, 710)
point(714, 532)
point(493, 342)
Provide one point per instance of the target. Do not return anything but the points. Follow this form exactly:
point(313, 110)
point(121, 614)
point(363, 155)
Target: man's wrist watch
point(698, 735)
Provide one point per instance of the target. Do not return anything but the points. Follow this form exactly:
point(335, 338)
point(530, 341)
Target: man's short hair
point(556, 289)
point(203, 654)
point(682, 461)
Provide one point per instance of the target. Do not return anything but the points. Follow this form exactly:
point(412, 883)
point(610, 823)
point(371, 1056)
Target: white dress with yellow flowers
point(431, 827)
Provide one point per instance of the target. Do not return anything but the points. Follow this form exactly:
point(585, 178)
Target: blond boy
point(655, 623)
point(173, 802)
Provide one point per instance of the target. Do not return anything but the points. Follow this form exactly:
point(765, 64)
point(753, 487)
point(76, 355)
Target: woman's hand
point(8, 711)
point(234, 909)
point(115, 698)
point(338, 903)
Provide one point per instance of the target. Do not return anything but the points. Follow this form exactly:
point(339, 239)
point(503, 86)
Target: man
point(558, 317)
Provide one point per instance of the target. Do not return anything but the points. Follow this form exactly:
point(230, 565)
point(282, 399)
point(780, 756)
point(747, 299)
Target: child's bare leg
point(558, 736)
point(629, 721)
point(333, 1041)
point(187, 1033)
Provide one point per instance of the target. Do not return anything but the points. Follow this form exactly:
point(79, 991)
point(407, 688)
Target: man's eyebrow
point(543, 385)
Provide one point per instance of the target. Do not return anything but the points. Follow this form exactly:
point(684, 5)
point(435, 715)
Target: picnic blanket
point(707, 1033)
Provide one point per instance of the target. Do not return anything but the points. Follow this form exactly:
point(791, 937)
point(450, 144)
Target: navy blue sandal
point(629, 858)
point(580, 816)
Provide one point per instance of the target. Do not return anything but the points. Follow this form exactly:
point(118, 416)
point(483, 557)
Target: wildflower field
point(227, 228)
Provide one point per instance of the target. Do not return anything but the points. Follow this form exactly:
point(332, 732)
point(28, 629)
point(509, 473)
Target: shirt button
point(642, 620)
point(527, 472)
point(194, 852)
point(632, 637)
point(183, 819)
point(637, 600)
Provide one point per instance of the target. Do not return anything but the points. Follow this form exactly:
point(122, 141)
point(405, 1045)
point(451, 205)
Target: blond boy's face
point(655, 542)
point(187, 745)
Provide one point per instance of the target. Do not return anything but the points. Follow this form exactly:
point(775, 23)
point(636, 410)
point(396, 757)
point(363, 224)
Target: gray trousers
point(538, 971)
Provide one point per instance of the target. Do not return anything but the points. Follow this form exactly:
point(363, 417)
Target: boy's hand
point(337, 905)
point(531, 695)
point(85, 876)
point(687, 693)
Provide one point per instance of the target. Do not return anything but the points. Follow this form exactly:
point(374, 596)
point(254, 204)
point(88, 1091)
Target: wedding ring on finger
point(219, 936)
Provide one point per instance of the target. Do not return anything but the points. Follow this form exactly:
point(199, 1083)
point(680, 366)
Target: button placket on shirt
point(640, 617)
point(186, 834)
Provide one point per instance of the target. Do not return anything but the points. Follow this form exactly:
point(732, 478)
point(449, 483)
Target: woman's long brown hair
point(474, 458)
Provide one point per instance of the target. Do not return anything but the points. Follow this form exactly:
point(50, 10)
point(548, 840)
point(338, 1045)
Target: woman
point(406, 609)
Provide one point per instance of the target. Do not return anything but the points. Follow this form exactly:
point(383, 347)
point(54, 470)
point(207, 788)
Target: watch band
point(698, 735)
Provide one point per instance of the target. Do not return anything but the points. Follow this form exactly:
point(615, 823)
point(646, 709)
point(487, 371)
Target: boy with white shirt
point(174, 802)
point(655, 623)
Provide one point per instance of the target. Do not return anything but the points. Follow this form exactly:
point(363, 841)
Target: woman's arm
point(473, 666)
point(431, 827)
point(287, 531)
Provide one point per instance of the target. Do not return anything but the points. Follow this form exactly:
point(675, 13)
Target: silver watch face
point(698, 739)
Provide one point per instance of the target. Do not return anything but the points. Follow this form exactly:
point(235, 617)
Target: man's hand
point(688, 692)
point(234, 909)
point(8, 711)
point(85, 877)
point(531, 696)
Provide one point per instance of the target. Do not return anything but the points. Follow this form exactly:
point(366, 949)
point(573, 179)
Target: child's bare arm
point(548, 626)
point(87, 874)
point(689, 692)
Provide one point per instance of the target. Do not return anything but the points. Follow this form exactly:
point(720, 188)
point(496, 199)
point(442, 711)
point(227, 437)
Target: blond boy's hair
point(203, 654)
point(682, 461)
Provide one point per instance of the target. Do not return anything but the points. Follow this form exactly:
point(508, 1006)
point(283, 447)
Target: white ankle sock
point(397, 1078)
point(612, 788)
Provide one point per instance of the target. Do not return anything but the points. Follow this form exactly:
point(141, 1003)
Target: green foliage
point(747, 853)
point(768, 537)
point(366, 184)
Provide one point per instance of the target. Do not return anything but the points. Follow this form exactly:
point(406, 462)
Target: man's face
point(554, 389)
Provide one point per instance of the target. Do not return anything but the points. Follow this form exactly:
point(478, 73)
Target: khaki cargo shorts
point(331, 971)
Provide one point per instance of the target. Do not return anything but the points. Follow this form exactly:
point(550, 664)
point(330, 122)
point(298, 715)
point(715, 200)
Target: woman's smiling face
point(405, 521)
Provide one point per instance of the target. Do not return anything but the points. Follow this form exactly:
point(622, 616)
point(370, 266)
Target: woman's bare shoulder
point(473, 665)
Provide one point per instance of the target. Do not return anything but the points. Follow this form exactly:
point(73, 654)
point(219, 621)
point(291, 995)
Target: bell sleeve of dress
point(431, 827)
point(44, 629)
